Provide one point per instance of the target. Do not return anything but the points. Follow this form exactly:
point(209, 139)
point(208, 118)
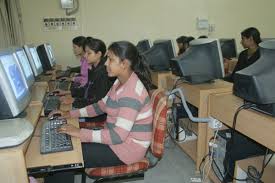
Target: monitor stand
point(14, 131)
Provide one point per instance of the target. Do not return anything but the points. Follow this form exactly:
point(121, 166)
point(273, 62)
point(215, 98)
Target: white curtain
point(11, 27)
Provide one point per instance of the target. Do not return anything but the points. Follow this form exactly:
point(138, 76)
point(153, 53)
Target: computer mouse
point(54, 116)
point(62, 79)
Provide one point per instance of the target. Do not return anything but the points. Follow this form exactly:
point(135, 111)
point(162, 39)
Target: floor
point(175, 167)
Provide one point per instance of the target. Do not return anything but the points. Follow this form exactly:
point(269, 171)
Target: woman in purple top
point(82, 78)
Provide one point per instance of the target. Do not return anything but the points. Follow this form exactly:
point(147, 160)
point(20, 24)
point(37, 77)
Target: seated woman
point(180, 42)
point(128, 130)
point(250, 41)
point(78, 52)
point(99, 82)
point(183, 43)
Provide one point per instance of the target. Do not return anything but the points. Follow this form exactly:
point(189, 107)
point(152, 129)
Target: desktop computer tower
point(227, 152)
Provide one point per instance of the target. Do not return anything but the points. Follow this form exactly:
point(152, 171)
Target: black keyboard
point(60, 74)
point(51, 141)
point(51, 103)
point(62, 85)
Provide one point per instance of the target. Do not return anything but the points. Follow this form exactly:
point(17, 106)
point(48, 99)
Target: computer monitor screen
point(33, 59)
point(143, 45)
point(159, 55)
point(14, 75)
point(228, 47)
point(201, 62)
point(51, 56)
point(14, 93)
point(44, 55)
point(25, 65)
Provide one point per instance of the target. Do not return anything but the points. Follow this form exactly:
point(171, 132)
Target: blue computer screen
point(14, 75)
point(25, 63)
point(35, 58)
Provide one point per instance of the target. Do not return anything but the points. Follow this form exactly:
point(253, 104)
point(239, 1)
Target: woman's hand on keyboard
point(70, 130)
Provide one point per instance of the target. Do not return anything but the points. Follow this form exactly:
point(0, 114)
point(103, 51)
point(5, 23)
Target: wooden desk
point(13, 166)
point(255, 125)
point(38, 91)
point(198, 95)
point(160, 78)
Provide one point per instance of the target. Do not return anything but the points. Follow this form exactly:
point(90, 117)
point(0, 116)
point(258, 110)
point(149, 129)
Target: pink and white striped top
point(128, 128)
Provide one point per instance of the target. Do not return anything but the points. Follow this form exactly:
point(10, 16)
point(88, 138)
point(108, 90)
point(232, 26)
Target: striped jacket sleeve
point(90, 110)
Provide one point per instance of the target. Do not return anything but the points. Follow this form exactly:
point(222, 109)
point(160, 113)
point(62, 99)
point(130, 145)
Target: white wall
point(133, 20)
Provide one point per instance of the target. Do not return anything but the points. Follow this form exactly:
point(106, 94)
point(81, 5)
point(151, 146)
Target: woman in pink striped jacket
point(128, 130)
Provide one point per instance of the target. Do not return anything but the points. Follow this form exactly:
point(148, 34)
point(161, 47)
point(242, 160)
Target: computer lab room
point(140, 91)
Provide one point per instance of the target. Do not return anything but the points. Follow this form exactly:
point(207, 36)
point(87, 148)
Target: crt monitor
point(46, 56)
point(201, 62)
point(51, 55)
point(25, 65)
point(159, 55)
point(143, 45)
point(33, 59)
point(228, 47)
point(255, 83)
point(14, 93)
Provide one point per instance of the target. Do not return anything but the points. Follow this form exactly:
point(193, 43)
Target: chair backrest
point(159, 101)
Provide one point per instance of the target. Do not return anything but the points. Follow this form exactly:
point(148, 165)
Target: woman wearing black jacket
point(98, 81)
point(250, 41)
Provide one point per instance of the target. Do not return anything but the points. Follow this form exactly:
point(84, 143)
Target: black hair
point(79, 41)
point(202, 36)
point(126, 50)
point(96, 45)
point(252, 32)
point(189, 39)
point(181, 40)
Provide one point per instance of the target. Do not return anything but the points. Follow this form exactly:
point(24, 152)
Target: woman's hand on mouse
point(70, 130)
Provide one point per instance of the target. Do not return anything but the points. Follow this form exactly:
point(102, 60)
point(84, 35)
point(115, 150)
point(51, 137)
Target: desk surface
point(258, 126)
point(38, 91)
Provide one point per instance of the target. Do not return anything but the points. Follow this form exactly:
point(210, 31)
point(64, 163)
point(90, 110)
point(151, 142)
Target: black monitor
point(228, 47)
point(143, 45)
point(201, 62)
point(159, 55)
point(45, 54)
point(14, 93)
point(256, 83)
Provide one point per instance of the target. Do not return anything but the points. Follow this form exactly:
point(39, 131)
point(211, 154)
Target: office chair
point(155, 152)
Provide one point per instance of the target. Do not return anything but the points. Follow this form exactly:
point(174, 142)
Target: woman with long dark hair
point(128, 130)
